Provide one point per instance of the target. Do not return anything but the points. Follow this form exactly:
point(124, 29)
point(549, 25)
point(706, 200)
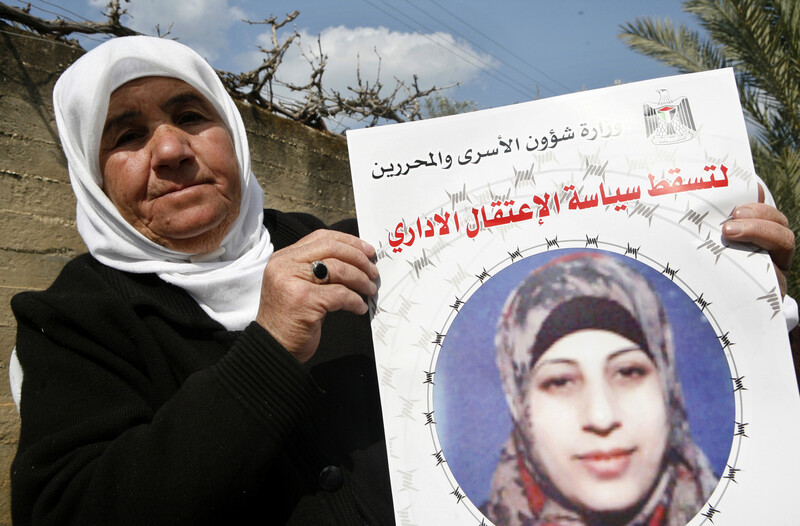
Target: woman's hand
point(764, 226)
point(294, 302)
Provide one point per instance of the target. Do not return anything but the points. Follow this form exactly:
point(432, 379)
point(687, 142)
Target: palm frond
point(680, 47)
point(760, 40)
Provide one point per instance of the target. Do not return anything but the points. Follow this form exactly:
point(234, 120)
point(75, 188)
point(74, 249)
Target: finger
point(777, 239)
point(352, 277)
point(292, 269)
point(760, 211)
point(323, 236)
point(343, 247)
point(761, 195)
point(334, 297)
point(342, 260)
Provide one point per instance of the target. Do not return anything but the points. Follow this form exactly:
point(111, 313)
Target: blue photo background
point(472, 420)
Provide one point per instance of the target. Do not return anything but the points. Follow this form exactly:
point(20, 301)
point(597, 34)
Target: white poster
point(562, 335)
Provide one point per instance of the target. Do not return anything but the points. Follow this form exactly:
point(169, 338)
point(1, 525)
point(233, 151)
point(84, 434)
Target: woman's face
point(597, 419)
point(168, 164)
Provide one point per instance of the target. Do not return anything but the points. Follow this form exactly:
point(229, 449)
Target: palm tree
point(760, 40)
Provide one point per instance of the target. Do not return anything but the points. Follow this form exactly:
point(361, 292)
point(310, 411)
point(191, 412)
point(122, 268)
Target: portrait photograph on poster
point(562, 334)
point(669, 364)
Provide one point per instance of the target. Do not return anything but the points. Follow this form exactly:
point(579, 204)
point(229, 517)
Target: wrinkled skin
point(168, 164)
point(169, 167)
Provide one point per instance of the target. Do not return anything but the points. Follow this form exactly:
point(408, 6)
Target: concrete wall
point(299, 168)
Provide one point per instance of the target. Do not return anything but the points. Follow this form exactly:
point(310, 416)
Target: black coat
point(138, 408)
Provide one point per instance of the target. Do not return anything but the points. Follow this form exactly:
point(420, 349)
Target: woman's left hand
point(766, 227)
point(294, 302)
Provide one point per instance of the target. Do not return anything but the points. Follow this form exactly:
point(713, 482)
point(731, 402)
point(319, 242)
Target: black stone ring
point(320, 272)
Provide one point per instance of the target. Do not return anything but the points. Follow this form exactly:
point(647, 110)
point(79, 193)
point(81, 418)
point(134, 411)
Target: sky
point(498, 53)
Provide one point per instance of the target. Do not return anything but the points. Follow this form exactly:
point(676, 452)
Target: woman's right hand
point(294, 303)
point(766, 227)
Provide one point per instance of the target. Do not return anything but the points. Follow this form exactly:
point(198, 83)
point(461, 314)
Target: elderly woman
point(192, 369)
point(207, 362)
point(600, 434)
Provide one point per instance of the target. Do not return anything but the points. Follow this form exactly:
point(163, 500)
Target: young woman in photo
point(600, 434)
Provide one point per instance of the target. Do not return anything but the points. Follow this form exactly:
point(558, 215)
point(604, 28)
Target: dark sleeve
point(112, 433)
point(97, 447)
point(286, 228)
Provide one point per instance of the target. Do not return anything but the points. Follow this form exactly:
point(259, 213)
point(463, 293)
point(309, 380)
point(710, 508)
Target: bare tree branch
point(366, 101)
point(159, 34)
point(250, 85)
point(363, 102)
point(59, 27)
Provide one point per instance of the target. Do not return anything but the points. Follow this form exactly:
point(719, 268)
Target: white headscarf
point(227, 282)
